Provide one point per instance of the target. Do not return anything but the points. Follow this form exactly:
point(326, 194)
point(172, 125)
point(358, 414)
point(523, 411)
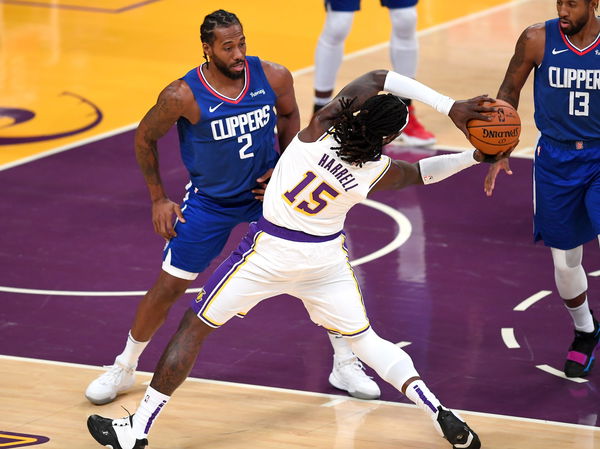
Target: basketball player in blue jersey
point(565, 55)
point(298, 246)
point(404, 52)
point(226, 112)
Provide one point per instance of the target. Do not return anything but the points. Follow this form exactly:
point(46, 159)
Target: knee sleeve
point(569, 274)
point(330, 48)
point(404, 45)
point(389, 361)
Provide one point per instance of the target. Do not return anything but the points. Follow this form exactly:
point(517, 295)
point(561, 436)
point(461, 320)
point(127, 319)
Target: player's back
point(567, 88)
point(312, 189)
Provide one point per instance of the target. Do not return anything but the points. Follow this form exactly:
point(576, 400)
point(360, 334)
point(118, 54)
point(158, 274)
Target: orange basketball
point(499, 134)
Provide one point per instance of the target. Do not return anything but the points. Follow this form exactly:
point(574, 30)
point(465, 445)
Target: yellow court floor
point(76, 69)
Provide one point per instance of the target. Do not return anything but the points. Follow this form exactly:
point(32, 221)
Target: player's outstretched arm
point(171, 105)
point(432, 169)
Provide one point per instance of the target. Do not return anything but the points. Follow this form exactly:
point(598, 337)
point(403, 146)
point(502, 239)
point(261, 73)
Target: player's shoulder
point(535, 32)
point(275, 73)
point(177, 90)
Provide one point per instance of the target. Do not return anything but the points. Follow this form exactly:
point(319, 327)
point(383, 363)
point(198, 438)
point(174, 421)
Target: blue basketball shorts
point(566, 194)
point(204, 234)
point(354, 5)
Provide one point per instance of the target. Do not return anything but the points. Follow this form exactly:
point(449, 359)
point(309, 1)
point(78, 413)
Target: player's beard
point(576, 27)
point(222, 67)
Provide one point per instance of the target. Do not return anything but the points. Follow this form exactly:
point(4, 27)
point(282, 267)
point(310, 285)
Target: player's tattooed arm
point(173, 102)
point(529, 52)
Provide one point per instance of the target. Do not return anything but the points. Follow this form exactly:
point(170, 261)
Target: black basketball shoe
point(580, 357)
point(114, 433)
point(456, 431)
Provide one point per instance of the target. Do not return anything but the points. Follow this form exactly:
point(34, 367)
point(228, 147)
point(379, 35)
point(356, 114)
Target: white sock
point(133, 350)
point(149, 409)
point(418, 392)
point(341, 348)
point(582, 317)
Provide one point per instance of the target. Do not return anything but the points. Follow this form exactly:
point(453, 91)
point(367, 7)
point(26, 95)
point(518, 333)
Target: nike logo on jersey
point(214, 108)
point(556, 52)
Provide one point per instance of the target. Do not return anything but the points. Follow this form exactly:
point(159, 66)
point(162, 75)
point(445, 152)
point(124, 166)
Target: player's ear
point(206, 49)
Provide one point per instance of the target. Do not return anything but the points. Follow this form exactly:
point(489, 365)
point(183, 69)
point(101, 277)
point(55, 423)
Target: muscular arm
point(288, 115)
point(529, 52)
point(175, 101)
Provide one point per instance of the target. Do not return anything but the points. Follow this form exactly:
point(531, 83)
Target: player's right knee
point(569, 274)
point(337, 27)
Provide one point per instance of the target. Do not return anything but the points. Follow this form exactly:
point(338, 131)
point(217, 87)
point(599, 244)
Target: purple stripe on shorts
point(577, 357)
point(290, 234)
point(226, 270)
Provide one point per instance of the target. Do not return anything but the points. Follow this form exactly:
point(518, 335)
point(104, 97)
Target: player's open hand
point(464, 110)
point(162, 217)
point(490, 179)
point(259, 190)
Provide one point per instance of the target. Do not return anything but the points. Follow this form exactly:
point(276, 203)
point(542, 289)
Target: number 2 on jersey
point(318, 202)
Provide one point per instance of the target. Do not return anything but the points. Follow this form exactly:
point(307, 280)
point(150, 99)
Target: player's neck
point(587, 35)
point(222, 83)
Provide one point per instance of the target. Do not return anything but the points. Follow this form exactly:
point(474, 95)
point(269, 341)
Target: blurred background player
point(404, 49)
point(226, 112)
point(565, 54)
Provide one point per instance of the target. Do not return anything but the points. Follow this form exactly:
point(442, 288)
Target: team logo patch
point(200, 296)
point(17, 125)
point(13, 440)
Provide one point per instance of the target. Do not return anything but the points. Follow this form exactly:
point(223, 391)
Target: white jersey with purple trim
point(312, 189)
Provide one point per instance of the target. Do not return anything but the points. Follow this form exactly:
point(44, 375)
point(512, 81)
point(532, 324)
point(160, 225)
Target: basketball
point(499, 134)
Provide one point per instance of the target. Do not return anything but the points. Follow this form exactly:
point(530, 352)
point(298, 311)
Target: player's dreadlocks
point(219, 18)
point(362, 135)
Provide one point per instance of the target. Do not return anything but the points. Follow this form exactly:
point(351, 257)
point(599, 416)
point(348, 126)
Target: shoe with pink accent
point(415, 134)
point(580, 357)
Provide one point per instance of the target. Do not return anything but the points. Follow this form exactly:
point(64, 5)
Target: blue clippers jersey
point(567, 88)
point(234, 141)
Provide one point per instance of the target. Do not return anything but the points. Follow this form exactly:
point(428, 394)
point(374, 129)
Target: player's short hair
point(362, 134)
point(219, 18)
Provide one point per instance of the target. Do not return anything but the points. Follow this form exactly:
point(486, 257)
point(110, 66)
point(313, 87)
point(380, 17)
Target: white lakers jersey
point(311, 189)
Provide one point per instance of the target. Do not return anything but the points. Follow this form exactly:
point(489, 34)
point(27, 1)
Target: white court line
point(404, 232)
point(329, 397)
point(525, 304)
point(548, 369)
point(508, 336)
point(295, 73)
point(68, 146)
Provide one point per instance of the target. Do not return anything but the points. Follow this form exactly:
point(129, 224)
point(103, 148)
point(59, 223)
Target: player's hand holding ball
point(496, 137)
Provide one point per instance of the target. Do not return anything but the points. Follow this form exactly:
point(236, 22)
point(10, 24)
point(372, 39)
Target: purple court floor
point(79, 221)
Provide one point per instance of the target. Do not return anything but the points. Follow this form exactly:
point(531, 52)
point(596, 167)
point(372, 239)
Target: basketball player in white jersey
point(298, 248)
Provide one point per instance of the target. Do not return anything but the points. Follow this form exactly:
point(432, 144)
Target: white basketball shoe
point(105, 388)
point(349, 375)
